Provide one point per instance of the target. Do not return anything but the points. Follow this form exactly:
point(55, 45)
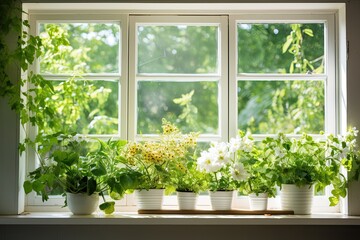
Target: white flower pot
point(221, 200)
point(81, 203)
point(298, 199)
point(151, 199)
point(258, 202)
point(187, 200)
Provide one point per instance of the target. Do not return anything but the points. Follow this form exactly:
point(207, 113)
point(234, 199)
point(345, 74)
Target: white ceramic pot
point(258, 202)
point(81, 203)
point(298, 199)
point(221, 200)
point(187, 200)
point(149, 199)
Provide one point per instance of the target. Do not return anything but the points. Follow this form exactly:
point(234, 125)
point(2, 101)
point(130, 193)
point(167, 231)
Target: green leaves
point(27, 187)
point(107, 207)
point(286, 45)
point(98, 169)
point(308, 32)
point(67, 158)
point(91, 186)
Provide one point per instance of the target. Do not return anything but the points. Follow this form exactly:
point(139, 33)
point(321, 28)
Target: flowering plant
point(222, 164)
point(153, 159)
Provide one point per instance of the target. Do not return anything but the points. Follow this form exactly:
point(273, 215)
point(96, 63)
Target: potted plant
point(304, 165)
point(187, 181)
point(342, 154)
point(223, 170)
point(115, 177)
point(152, 161)
point(68, 170)
point(260, 185)
point(299, 164)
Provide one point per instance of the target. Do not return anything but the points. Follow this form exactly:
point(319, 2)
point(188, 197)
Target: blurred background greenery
point(264, 106)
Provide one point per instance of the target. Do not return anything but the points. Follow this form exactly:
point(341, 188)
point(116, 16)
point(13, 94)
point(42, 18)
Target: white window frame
point(221, 76)
point(321, 203)
point(235, 12)
point(33, 201)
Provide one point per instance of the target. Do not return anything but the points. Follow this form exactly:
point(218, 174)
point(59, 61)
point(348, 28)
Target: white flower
point(239, 173)
point(220, 151)
point(247, 144)
point(235, 144)
point(51, 162)
point(278, 152)
point(208, 162)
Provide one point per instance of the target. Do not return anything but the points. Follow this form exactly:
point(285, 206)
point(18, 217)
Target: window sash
point(32, 200)
point(228, 79)
point(331, 110)
point(221, 76)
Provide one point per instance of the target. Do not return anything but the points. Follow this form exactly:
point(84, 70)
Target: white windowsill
point(133, 218)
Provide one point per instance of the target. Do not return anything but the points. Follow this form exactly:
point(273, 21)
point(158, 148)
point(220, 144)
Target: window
point(178, 71)
point(208, 72)
point(285, 80)
point(84, 63)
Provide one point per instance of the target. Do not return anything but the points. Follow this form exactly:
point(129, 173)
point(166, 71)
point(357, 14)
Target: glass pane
point(192, 106)
point(85, 107)
point(177, 49)
point(269, 107)
point(80, 48)
point(280, 48)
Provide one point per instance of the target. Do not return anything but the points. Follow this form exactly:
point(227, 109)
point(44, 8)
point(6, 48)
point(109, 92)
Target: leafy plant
point(67, 168)
point(119, 178)
point(343, 156)
point(55, 109)
point(185, 176)
point(305, 161)
point(261, 175)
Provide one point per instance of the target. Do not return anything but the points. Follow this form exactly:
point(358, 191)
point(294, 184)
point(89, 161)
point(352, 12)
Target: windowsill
point(133, 218)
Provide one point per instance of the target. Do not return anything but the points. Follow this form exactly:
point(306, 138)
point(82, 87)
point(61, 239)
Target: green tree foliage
point(179, 49)
point(78, 105)
point(91, 107)
point(281, 106)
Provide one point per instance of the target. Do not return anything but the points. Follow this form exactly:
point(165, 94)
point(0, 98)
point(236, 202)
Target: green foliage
point(297, 161)
point(111, 168)
point(185, 176)
point(281, 106)
point(66, 168)
point(261, 174)
point(222, 181)
point(177, 49)
point(107, 207)
point(305, 161)
point(75, 105)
